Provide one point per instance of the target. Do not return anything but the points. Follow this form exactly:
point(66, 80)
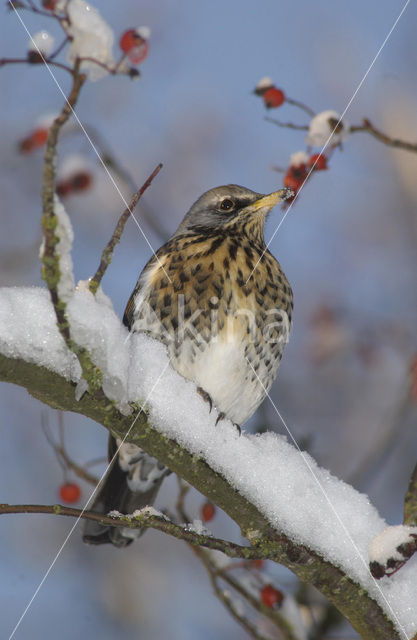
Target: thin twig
point(51, 272)
point(301, 105)
point(58, 49)
point(141, 520)
point(107, 255)
point(385, 440)
point(223, 597)
point(48, 61)
point(216, 573)
point(112, 70)
point(287, 125)
point(61, 454)
point(368, 127)
point(50, 261)
point(410, 502)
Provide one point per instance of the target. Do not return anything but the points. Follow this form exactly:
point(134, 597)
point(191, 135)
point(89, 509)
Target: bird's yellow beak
point(269, 201)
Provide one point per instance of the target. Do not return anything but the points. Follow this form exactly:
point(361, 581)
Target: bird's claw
point(221, 416)
point(205, 397)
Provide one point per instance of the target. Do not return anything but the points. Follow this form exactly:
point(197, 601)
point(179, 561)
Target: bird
point(219, 301)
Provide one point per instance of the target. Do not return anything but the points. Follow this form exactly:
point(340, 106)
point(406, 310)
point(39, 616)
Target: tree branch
point(410, 502)
point(107, 255)
point(368, 127)
point(140, 521)
point(364, 613)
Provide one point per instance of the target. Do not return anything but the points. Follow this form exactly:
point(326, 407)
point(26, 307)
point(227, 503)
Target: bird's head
point(231, 208)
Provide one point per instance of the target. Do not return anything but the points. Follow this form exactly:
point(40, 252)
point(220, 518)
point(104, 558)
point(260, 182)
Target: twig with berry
point(326, 130)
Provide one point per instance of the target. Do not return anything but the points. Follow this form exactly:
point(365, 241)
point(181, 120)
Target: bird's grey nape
point(206, 212)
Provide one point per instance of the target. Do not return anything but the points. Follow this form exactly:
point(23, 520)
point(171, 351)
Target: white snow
point(45, 120)
point(92, 38)
point(296, 496)
point(73, 163)
point(197, 526)
point(148, 511)
point(144, 32)
point(63, 249)
point(41, 41)
point(298, 158)
point(264, 83)
point(385, 545)
point(290, 610)
point(323, 125)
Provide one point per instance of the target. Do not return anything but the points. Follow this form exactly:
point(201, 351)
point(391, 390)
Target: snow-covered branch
point(273, 492)
point(146, 518)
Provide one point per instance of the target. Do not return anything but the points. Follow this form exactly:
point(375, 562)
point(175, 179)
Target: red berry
point(39, 137)
point(273, 98)
point(26, 145)
point(49, 4)
point(270, 596)
point(139, 52)
point(63, 188)
point(295, 177)
point(134, 46)
point(81, 181)
point(319, 161)
point(208, 511)
point(128, 40)
point(70, 492)
point(257, 564)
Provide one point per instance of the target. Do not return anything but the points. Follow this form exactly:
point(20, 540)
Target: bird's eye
point(227, 204)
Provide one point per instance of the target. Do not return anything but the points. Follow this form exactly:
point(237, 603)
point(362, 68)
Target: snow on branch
point(290, 509)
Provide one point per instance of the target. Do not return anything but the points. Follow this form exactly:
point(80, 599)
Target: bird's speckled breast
point(223, 315)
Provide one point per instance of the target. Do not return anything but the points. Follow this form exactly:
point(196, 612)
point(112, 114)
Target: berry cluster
point(301, 167)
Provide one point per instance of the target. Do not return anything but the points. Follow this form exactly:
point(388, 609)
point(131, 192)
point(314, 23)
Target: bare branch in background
point(107, 254)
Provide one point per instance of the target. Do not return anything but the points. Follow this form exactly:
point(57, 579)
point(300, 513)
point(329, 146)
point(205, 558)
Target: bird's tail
point(132, 482)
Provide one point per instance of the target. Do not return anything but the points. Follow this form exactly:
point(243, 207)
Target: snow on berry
point(327, 127)
point(91, 38)
point(298, 158)
point(41, 42)
point(208, 511)
point(263, 84)
point(391, 549)
point(133, 43)
point(270, 596)
point(273, 98)
point(70, 492)
point(318, 162)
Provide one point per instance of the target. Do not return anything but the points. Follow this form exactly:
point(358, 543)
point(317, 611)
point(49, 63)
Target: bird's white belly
point(223, 371)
